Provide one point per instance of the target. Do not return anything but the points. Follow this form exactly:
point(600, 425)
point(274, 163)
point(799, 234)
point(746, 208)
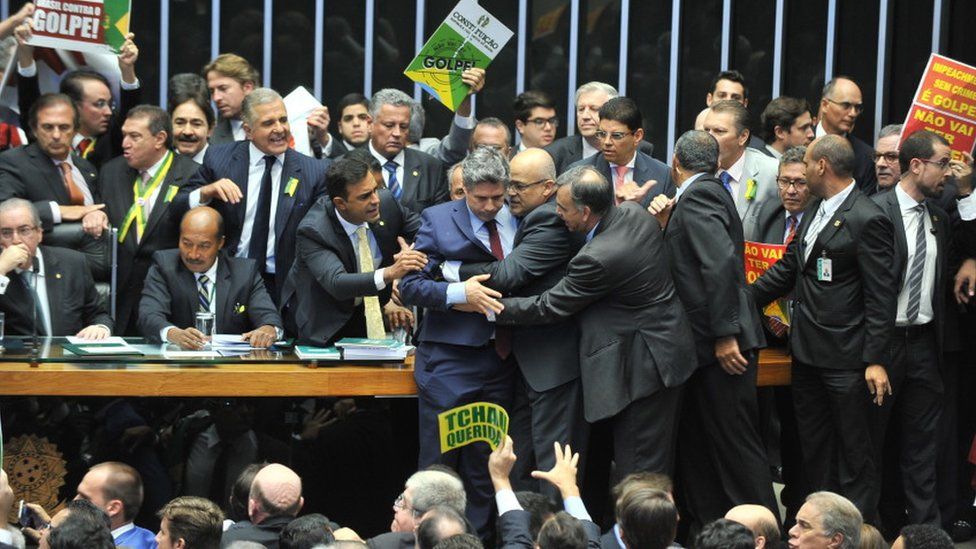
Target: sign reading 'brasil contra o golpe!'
point(95, 26)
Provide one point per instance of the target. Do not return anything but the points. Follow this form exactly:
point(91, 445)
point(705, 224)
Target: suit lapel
point(240, 168)
point(289, 170)
point(385, 240)
point(173, 177)
point(345, 245)
point(222, 294)
point(52, 281)
point(51, 174)
point(832, 225)
point(748, 172)
point(463, 222)
point(185, 292)
point(412, 171)
point(901, 244)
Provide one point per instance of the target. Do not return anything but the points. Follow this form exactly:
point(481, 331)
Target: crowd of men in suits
point(587, 287)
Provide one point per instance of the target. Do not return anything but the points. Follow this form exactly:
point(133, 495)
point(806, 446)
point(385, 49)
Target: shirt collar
point(122, 529)
point(736, 169)
point(684, 186)
point(347, 226)
point(257, 157)
point(772, 150)
point(831, 204)
point(211, 272)
point(616, 534)
point(198, 158)
point(592, 233)
point(503, 217)
point(906, 203)
point(588, 150)
point(399, 158)
point(799, 215)
point(155, 167)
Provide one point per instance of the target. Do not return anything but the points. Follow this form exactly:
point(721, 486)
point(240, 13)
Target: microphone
point(35, 345)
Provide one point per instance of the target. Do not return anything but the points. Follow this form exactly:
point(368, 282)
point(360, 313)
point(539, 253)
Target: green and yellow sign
point(478, 421)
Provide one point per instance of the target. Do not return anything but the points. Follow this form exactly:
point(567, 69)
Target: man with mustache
point(230, 78)
point(193, 125)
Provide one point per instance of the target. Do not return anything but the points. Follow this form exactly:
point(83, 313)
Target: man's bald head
point(201, 238)
point(759, 520)
point(533, 181)
point(276, 491)
point(203, 219)
point(535, 162)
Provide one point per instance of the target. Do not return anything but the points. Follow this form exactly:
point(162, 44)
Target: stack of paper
point(232, 345)
point(373, 349)
point(100, 347)
point(307, 352)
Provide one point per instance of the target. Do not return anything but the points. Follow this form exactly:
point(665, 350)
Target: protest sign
point(469, 38)
point(97, 26)
point(463, 425)
point(945, 103)
point(759, 257)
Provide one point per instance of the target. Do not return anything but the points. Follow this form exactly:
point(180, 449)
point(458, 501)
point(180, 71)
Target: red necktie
point(503, 336)
point(791, 224)
point(82, 147)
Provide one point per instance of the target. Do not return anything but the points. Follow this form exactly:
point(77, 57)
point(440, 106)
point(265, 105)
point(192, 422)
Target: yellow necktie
point(374, 317)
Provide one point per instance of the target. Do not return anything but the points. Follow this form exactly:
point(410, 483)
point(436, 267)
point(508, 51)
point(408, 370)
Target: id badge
point(825, 270)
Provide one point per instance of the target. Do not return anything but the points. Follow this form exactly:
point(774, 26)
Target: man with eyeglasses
point(53, 285)
point(423, 490)
point(887, 170)
point(633, 174)
point(840, 105)
point(548, 398)
point(779, 220)
point(99, 136)
point(535, 119)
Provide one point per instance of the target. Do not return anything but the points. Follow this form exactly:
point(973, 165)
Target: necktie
point(83, 147)
point(203, 294)
point(914, 282)
point(74, 193)
point(258, 247)
point(503, 336)
point(619, 180)
point(391, 183)
point(374, 317)
point(791, 224)
point(726, 179)
point(27, 277)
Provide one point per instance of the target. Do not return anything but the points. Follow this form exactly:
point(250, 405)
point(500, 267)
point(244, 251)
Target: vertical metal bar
point(4, 8)
point(319, 46)
point(879, 77)
point(573, 60)
point(778, 49)
point(266, 50)
point(624, 36)
point(673, 75)
point(937, 26)
point(726, 33)
point(368, 40)
point(831, 36)
point(418, 41)
point(163, 52)
point(523, 33)
point(214, 28)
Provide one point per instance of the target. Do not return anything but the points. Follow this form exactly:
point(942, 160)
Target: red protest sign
point(945, 103)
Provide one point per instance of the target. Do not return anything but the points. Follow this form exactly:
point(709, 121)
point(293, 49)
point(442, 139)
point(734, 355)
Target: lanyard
point(142, 192)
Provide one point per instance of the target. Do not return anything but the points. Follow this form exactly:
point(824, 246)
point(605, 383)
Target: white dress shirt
point(684, 186)
point(824, 213)
point(399, 159)
point(736, 170)
point(506, 224)
point(909, 218)
point(373, 247)
point(148, 206)
point(237, 128)
point(198, 158)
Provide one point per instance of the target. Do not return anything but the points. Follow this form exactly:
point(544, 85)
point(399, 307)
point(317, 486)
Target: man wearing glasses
point(54, 281)
point(779, 221)
point(535, 119)
point(886, 167)
point(840, 105)
point(634, 175)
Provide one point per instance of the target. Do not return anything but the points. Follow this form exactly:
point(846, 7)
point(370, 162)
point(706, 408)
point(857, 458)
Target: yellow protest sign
point(463, 425)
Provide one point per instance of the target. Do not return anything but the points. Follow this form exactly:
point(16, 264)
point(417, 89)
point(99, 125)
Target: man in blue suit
point(635, 175)
point(462, 357)
point(260, 186)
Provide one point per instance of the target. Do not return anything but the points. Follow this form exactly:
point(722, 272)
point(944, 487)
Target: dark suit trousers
point(832, 418)
point(910, 416)
point(448, 376)
point(537, 419)
point(722, 459)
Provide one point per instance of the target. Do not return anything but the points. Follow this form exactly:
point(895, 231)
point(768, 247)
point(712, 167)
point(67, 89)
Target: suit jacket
point(424, 181)
point(73, 301)
point(392, 540)
point(231, 161)
point(162, 230)
point(28, 172)
point(223, 133)
point(943, 237)
point(771, 223)
point(845, 323)
point(445, 234)
point(568, 150)
point(645, 168)
point(169, 297)
point(634, 335)
point(513, 528)
point(548, 355)
point(763, 170)
point(266, 533)
point(321, 290)
point(705, 252)
point(107, 146)
point(864, 174)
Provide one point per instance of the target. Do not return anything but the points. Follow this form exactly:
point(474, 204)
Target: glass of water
point(205, 325)
point(1, 329)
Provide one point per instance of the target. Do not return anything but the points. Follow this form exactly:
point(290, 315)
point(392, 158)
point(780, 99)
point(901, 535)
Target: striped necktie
point(203, 294)
point(914, 281)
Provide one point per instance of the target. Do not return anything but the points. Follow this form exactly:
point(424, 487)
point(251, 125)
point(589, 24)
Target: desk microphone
point(35, 345)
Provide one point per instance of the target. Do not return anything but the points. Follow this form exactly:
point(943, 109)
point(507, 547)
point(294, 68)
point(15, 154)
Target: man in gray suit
point(636, 347)
point(749, 175)
point(230, 78)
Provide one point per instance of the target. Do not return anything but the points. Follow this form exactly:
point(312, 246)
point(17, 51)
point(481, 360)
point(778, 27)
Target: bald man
point(760, 521)
point(199, 277)
point(275, 499)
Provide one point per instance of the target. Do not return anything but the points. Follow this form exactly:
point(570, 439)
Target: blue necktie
point(203, 294)
point(392, 184)
point(726, 178)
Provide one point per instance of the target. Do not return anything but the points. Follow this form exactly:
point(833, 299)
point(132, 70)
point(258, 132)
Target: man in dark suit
point(840, 268)
point(193, 123)
point(61, 184)
point(461, 356)
point(840, 105)
point(54, 284)
point(786, 123)
point(568, 150)
point(99, 135)
point(922, 237)
point(548, 400)
point(633, 174)
point(261, 187)
point(723, 462)
point(230, 79)
point(354, 125)
point(416, 179)
point(351, 249)
point(139, 187)
point(636, 349)
point(779, 220)
point(274, 501)
point(198, 278)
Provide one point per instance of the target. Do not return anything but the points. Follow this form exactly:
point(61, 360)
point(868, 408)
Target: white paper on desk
point(300, 104)
point(111, 340)
point(233, 342)
point(189, 354)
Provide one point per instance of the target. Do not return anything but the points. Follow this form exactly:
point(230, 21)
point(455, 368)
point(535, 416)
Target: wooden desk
point(248, 379)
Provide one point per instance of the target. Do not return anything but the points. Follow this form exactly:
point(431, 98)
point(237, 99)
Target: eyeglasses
point(942, 164)
point(784, 183)
point(846, 105)
point(520, 187)
point(102, 103)
point(890, 157)
point(616, 136)
point(25, 232)
point(400, 503)
point(541, 122)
